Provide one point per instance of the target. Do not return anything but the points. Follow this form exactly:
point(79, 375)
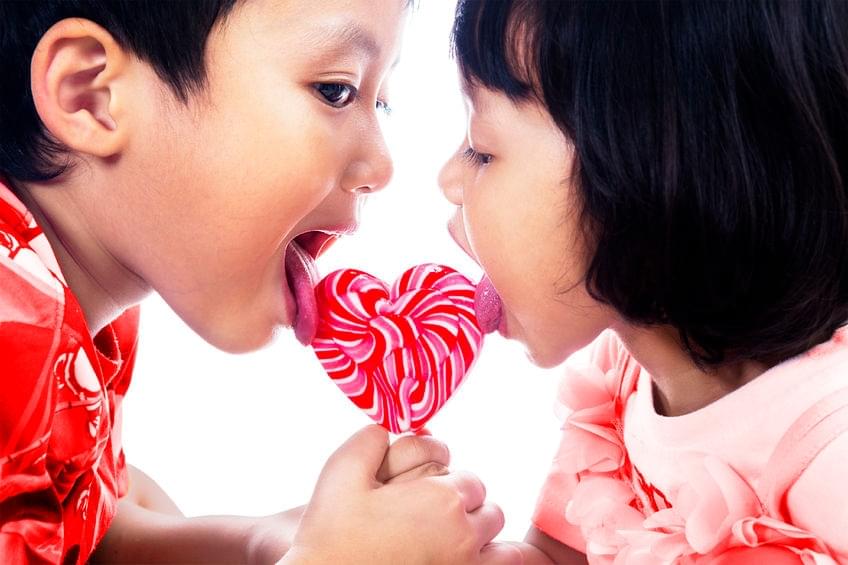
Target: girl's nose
point(450, 178)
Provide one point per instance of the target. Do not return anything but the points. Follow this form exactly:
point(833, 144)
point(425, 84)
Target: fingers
point(471, 490)
point(411, 452)
point(488, 521)
point(360, 457)
point(430, 469)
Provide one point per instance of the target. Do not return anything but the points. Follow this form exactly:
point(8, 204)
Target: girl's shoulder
point(696, 484)
point(805, 474)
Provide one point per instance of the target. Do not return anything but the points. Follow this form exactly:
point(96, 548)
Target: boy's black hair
point(711, 144)
point(170, 36)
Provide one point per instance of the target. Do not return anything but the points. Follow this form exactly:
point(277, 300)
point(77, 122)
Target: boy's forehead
point(343, 37)
point(342, 28)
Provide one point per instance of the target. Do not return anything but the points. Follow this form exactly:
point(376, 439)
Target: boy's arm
point(150, 528)
point(139, 535)
point(145, 492)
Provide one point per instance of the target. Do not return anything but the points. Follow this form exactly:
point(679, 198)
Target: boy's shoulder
point(32, 290)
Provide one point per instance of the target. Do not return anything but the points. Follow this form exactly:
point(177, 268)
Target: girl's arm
point(540, 549)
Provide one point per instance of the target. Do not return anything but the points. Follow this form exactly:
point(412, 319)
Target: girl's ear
point(79, 80)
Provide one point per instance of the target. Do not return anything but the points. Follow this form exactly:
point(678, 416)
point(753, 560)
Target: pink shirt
point(631, 486)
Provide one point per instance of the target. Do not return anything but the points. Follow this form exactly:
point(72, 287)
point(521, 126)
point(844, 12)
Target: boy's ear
point(77, 74)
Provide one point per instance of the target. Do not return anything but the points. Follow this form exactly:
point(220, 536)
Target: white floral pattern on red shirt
point(61, 464)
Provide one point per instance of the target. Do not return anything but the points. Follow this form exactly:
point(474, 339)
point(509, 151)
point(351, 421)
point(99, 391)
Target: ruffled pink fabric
point(716, 518)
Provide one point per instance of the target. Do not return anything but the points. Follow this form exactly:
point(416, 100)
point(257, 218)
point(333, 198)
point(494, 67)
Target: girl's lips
point(488, 306)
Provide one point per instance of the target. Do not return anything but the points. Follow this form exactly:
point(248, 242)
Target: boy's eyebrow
point(346, 37)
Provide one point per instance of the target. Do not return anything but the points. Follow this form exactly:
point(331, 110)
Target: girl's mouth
point(302, 276)
point(488, 306)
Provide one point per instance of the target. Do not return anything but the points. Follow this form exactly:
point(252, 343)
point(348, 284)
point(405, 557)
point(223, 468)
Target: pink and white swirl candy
point(397, 353)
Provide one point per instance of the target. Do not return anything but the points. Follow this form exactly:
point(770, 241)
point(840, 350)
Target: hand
point(414, 456)
point(410, 457)
point(354, 518)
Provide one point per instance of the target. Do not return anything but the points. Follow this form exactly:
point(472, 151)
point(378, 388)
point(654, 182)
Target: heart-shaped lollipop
point(397, 353)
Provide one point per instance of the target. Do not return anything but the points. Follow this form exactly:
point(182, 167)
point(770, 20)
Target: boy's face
point(518, 218)
point(284, 140)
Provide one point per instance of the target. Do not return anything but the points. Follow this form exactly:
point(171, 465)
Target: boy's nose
point(450, 178)
point(373, 170)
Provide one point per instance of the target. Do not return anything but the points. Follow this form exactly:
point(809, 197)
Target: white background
point(248, 434)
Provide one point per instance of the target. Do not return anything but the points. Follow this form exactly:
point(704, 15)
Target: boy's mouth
point(302, 276)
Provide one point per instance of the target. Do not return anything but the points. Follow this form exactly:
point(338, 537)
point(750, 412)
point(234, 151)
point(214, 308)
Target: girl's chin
point(541, 361)
point(545, 355)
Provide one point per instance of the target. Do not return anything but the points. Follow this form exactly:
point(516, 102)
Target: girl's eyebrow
point(474, 99)
point(470, 91)
point(344, 38)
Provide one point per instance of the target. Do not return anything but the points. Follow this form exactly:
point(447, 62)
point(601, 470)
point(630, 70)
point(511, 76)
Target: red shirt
point(62, 468)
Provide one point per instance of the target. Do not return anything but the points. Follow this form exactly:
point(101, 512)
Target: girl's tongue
point(302, 277)
point(487, 306)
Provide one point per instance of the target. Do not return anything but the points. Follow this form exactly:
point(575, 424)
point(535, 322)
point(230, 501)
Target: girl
point(668, 181)
point(207, 151)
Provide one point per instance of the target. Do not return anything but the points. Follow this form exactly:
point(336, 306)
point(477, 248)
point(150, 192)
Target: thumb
point(357, 461)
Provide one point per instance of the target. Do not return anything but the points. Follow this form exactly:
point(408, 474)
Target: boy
point(206, 151)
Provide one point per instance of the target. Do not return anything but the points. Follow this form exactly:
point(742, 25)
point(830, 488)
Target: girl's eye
point(384, 107)
point(476, 158)
point(335, 94)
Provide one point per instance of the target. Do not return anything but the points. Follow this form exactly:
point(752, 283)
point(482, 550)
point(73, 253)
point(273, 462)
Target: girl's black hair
point(711, 143)
point(170, 36)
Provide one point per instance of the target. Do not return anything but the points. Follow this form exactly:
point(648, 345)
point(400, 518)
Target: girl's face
point(284, 142)
point(518, 217)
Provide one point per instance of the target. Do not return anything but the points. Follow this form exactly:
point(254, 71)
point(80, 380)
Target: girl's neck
point(681, 386)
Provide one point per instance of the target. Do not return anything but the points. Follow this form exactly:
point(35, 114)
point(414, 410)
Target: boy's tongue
point(302, 277)
point(487, 306)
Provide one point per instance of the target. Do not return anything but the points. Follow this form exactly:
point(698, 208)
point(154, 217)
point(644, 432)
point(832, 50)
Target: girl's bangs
point(494, 48)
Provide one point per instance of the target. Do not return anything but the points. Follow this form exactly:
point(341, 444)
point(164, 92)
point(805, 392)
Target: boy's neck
point(680, 386)
point(103, 286)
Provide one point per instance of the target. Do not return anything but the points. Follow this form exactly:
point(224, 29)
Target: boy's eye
point(336, 94)
point(476, 158)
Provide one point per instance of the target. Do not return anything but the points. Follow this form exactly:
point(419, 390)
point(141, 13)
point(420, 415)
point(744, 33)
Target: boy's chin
point(238, 341)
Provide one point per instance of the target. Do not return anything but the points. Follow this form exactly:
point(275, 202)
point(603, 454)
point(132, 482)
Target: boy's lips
point(302, 276)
